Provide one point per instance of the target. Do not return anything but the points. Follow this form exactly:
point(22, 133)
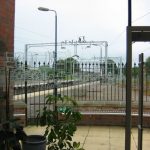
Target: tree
point(69, 65)
point(45, 68)
point(61, 65)
point(45, 72)
point(147, 64)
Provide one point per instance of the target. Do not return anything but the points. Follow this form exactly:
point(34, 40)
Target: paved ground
point(102, 137)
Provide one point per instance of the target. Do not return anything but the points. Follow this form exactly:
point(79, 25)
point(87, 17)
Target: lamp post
point(55, 52)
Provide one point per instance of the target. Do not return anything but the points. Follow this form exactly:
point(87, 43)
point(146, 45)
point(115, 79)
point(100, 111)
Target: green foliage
point(135, 71)
point(46, 69)
point(147, 63)
point(68, 65)
point(61, 122)
point(10, 135)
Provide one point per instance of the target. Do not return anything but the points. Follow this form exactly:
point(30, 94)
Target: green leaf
point(50, 138)
point(74, 144)
point(69, 138)
point(78, 145)
point(69, 144)
point(60, 144)
point(51, 148)
point(43, 120)
point(46, 131)
point(68, 114)
point(50, 99)
point(81, 149)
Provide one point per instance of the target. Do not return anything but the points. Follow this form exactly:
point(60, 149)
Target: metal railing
point(87, 83)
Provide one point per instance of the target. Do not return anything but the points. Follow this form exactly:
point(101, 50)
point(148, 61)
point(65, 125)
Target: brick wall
point(7, 11)
point(92, 115)
point(19, 112)
point(114, 120)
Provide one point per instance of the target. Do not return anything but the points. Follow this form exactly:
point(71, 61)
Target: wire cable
point(42, 35)
point(141, 17)
point(137, 19)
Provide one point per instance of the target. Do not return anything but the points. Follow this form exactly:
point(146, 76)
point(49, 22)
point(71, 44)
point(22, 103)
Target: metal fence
point(85, 82)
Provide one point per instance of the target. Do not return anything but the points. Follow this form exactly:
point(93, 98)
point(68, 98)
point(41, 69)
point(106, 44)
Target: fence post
point(25, 83)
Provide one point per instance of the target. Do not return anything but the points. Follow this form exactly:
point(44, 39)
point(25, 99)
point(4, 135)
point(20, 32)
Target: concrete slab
point(102, 137)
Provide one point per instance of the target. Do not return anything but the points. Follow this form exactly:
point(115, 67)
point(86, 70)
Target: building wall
point(7, 15)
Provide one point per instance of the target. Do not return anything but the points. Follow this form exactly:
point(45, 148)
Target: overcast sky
point(97, 20)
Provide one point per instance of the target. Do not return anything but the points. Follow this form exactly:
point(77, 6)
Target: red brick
point(7, 13)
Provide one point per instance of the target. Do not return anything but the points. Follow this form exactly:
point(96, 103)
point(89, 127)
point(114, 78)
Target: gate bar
point(128, 81)
point(140, 118)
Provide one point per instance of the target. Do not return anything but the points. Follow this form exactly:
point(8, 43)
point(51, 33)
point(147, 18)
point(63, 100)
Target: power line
point(137, 19)
point(42, 35)
point(117, 37)
point(24, 38)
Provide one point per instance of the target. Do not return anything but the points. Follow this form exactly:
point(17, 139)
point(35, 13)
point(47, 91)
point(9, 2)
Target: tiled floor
point(102, 137)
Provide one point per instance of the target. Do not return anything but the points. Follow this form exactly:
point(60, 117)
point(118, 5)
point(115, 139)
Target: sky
point(96, 20)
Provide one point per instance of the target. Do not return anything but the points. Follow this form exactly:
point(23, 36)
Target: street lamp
point(55, 53)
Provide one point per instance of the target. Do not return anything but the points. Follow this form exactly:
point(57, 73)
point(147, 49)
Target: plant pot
point(34, 142)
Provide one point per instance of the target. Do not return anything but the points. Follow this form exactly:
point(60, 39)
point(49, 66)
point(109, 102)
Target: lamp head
point(43, 9)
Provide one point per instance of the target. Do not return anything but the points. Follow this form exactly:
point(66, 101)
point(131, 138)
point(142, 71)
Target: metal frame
point(134, 34)
point(74, 43)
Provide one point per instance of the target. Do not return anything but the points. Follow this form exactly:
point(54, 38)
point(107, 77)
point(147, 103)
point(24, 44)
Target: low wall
point(111, 119)
point(103, 113)
point(19, 112)
point(95, 113)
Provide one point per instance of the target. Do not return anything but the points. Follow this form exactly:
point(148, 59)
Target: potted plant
point(60, 117)
point(11, 133)
point(34, 142)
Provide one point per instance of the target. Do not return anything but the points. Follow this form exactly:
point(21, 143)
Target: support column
point(128, 90)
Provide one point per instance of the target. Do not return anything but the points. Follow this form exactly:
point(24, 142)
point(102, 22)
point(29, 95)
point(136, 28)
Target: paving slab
point(102, 137)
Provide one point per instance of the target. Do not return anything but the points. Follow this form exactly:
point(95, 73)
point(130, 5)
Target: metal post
point(128, 81)
point(101, 54)
point(73, 68)
point(106, 46)
point(129, 12)
point(55, 55)
point(120, 68)
point(140, 119)
point(55, 63)
point(128, 91)
point(75, 48)
point(113, 70)
point(25, 84)
point(101, 61)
